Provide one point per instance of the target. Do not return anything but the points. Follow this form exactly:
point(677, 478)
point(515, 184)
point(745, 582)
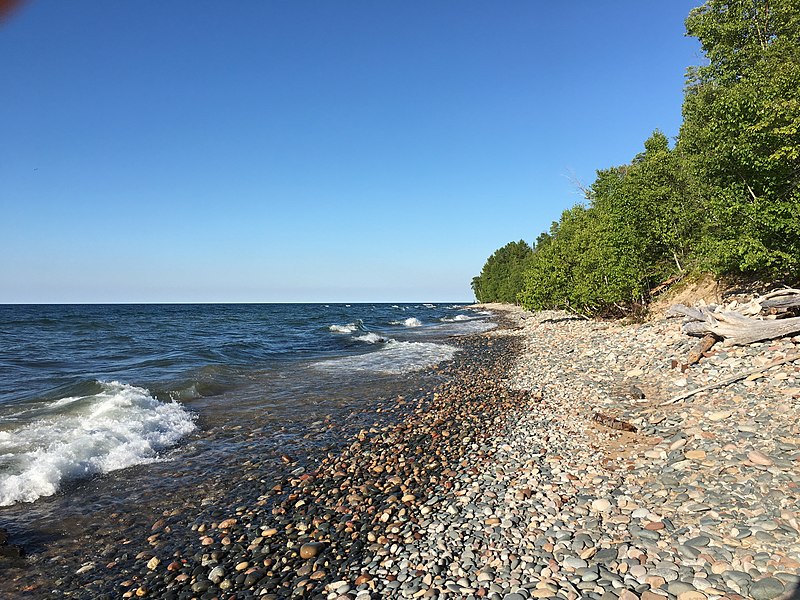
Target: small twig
point(730, 380)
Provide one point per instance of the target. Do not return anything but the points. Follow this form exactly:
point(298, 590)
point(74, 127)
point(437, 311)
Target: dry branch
point(776, 299)
point(733, 326)
point(704, 345)
point(734, 379)
point(664, 285)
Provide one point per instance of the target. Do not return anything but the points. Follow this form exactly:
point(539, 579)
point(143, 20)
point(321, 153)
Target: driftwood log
point(741, 327)
point(777, 300)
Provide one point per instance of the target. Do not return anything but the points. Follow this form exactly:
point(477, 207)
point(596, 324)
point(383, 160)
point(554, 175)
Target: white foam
point(457, 318)
point(371, 338)
point(410, 322)
point(471, 327)
point(395, 358)
point(349, 328)
point(119, 427)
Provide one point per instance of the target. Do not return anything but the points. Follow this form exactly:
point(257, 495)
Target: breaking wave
point(372, 338)
point(410, 322)
point(117, 427)
point(457, 318)
point(396, 358)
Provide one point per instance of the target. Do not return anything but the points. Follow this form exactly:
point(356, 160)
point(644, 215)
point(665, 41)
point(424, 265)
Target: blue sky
point(311, 151)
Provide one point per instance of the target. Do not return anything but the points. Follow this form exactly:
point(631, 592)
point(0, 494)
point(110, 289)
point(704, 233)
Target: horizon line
point(189, 302)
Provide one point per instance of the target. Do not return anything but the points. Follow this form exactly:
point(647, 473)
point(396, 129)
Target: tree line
point(724, 198)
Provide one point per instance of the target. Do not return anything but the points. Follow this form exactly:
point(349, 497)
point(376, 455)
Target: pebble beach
point(501, 482)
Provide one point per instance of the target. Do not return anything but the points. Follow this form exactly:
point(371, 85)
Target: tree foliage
point(634, 231)
point(502, 276)
point(725, 198)
point(741, 133)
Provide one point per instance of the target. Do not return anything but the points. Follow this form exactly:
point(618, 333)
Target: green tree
point(741, 133)
point(589, 265)
point(654, 201)
point(726, 197)
point(501, 278)
point(640, 224)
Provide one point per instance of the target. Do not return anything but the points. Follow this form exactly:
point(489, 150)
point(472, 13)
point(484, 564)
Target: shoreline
point(498, 483)
point(175, 555)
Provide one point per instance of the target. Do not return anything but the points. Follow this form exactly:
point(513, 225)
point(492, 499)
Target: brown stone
point(310, 550)
point(695, 454)
point(692, 595)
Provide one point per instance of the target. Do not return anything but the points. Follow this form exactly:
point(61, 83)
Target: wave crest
point(456, 319)
point(372, 338)
point(349, 328)
point(396, 358)
point(409, 322)
point(118, 427)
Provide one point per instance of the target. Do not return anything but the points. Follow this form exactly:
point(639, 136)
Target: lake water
point(88, 391)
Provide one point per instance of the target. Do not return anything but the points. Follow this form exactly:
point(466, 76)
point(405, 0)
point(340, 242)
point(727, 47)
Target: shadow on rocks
point(563, 319)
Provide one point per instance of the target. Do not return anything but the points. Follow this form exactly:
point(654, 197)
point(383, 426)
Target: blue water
point(87, 390)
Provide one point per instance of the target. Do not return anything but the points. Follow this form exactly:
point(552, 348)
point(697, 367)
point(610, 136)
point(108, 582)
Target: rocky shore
point(502, 483)
point(699, 502)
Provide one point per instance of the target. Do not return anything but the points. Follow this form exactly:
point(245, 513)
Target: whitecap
point(410, 322)
point(371, 338)
point(118, 427)
point(396, 358)
point(457, 318)
point(349, 328)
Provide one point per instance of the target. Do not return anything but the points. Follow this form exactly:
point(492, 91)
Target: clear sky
point(294, 150)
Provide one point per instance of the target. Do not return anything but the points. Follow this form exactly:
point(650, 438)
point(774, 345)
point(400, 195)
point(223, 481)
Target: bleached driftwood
point(777, 299)
point(738, 330)
point(737, 327)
